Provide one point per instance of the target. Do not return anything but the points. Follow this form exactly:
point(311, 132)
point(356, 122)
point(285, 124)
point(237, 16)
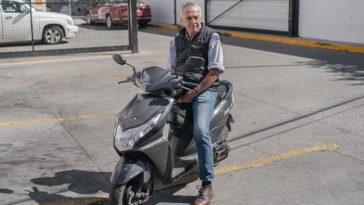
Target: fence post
point(31, 24)
point(293, 18)
point(175, 12)
point(206, 13)
point(133, 26)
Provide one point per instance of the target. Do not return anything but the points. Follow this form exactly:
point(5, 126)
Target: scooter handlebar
point(128, 79)
point(189, 84)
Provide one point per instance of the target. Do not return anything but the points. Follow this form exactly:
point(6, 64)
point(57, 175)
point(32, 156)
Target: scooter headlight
point(125, 140)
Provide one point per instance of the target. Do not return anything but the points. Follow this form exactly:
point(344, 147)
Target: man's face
point(191, 19)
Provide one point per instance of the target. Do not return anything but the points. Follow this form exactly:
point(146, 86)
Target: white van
point(50, 27)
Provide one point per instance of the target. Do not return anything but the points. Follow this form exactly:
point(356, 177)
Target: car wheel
point(52, 35)
point(88, 18)
point(108, 21)
point(143, 24)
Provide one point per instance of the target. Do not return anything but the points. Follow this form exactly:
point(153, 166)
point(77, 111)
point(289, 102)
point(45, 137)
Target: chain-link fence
point(63, 26)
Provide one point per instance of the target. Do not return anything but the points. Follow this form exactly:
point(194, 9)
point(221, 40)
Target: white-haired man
point(195, 39)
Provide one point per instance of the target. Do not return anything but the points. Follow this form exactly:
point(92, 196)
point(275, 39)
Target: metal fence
point(27, 32)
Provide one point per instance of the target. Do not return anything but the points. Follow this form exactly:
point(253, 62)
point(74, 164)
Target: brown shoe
point(205, 196)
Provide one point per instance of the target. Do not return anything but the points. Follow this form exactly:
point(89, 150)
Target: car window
point(99, 2)
point(12, 7)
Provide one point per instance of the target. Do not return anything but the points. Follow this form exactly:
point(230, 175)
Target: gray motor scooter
point(153, 134)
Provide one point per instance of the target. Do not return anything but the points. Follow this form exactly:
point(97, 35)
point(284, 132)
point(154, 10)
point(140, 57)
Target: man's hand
point(209, 79)
point(188, 97)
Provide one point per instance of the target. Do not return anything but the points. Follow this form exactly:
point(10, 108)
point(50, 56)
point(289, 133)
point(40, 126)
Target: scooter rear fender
point(128, 168)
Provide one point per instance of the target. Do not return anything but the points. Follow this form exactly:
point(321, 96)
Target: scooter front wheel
point(132, 193)
point(118, 196)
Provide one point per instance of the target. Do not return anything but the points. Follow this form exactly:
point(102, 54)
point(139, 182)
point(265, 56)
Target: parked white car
point(50, 27)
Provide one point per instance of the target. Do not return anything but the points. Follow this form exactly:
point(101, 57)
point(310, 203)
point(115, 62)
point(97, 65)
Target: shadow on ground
point(89, 183)
point(78, 181)
point(349, 66)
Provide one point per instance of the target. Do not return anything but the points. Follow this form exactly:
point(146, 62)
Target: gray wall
point(335, 20)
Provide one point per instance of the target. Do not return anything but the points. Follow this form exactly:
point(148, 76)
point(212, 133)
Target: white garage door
point(252, 14)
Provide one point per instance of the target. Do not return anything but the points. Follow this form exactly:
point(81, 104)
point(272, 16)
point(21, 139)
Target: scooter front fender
point(127, 169)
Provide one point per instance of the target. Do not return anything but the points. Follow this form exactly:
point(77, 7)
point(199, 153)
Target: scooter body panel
point(128, 168)
point(141, 109)
point(159, 152)
point(154, 145)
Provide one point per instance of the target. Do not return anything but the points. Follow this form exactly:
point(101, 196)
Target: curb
point(284, 40)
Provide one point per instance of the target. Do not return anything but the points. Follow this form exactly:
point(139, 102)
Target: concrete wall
point(163, 11)
point(335, 20)
point(256, 14)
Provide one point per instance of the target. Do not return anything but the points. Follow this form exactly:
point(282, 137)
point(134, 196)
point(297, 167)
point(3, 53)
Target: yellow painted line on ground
point(62, 80)
point(5, 63)
point(54, 120)
point(165, 26)
point(276, 158)
point(307, 43)
point(287, 40)
point(79, 201)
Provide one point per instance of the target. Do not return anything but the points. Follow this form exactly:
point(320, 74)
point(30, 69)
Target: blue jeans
point(203, 107)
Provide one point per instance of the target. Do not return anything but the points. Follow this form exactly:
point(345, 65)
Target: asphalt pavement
point(298, 135)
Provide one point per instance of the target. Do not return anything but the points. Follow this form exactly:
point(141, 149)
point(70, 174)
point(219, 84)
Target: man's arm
point(205, 84)
point(208, 80)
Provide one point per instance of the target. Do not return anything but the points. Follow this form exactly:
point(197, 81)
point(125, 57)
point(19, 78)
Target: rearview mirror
point(118, 59)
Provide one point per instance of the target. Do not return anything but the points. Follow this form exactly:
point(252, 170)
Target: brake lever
point(128, 79)
point(123, 81)
point(186, 88)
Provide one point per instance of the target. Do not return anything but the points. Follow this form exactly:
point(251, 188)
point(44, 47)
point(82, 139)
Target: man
point(196, 39)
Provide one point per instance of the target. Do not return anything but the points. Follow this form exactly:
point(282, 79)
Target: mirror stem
point(130, 66)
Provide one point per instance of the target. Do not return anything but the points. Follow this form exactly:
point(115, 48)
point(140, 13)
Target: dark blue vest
point(197, 47)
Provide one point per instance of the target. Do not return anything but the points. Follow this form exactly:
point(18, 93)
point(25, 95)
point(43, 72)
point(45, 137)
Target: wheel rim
point(129, 195)
point(136, 193)
point(53, 35)
point(108, 22)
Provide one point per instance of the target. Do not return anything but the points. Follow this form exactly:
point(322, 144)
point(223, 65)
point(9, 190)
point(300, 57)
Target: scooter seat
point(222, 90)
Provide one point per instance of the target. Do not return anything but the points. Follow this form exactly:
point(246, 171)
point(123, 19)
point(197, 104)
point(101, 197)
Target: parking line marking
point(80, 201)
point(53, 120)
point(276, 158)
point(62, 80)
point(42, 60)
